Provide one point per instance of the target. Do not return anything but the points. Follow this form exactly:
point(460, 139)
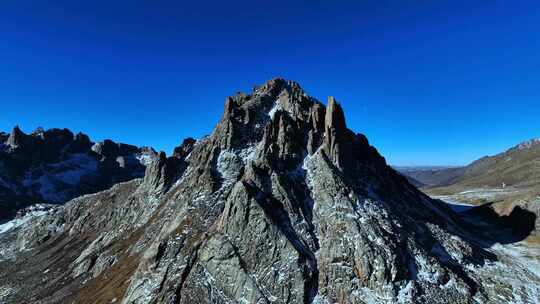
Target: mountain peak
point(276, 85)
point(280, 203)
point(16, 137)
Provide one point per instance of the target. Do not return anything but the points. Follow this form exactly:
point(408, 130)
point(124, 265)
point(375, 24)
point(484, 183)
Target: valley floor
point(478, 196)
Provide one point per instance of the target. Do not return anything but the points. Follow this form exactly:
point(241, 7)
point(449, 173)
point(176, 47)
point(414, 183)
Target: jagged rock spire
point(335, 130)
point(161, 172)
point(164, 171)
point(316, 132)
point(185, 148)
point(16, 138)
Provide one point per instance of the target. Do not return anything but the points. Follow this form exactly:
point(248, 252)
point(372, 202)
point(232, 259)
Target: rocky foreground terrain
point(53, 166)
point(282, 203)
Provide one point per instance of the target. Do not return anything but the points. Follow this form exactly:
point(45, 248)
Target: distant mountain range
point(429, 176)
point(517, 167)
point(53, 166)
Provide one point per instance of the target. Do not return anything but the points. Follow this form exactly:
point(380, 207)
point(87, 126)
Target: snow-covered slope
point(24, 216)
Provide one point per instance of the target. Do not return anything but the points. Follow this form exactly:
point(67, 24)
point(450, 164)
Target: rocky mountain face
point(54, 166)
point(282, 203)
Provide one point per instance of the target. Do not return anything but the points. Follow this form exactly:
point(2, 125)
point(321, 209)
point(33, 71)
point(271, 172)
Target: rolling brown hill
point(517, 168)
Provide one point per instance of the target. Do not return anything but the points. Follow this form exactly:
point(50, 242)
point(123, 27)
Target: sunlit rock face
point(282, 203)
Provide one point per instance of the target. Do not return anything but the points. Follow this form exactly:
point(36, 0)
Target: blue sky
point(429, 82)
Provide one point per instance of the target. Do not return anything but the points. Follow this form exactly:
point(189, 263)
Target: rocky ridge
point(54, 166)
point(282, 203)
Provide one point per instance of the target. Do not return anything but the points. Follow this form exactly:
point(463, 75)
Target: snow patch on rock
point(29, 213)
point(145, 159)
point(273, 111)
point(5, 291)
point(227, 166)
point(278, 107)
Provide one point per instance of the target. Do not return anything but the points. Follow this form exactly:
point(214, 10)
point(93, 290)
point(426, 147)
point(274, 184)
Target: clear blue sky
point(429, 82)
